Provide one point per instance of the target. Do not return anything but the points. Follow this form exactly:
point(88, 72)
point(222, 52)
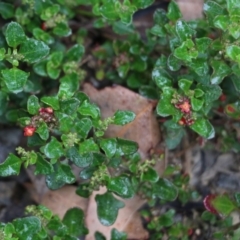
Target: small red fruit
point(208, 203)
point(43, 26)
point(190, 231)
point(184, 106)
point(28, 131)
point(49, 110)
point(230, 109)
point(223, 97)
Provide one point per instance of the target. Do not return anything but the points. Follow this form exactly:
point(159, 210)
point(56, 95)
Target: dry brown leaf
point(127, 221)
point(144, 129)
point(59, 201)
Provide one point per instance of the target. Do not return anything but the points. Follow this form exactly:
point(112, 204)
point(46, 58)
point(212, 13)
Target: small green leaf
point(212, 9)
point(233, 52)
point(83, 127)
point(109, 146)
point(33, 104)
point(204, 128)
point(33, 50)
point(166, 219)
point(165, 190)
point(53, 149)
point(174, 12)
point(142, 3)
point(123, 117)
point(80, 160)
point(62, 175)
point(223, 204)
point(15, 79)
point(150, 175)
point(88, 172)
point(107, 208)
point(14, 34)
point(11, 166)
point(125, 11)
point(74, 220)
point(160, 17)
point(108, 10)
point(196, 103)
point(89, 109)
point(6, 10)
point(200, 66)
point(174, 64)
point(198, 93)
point(123, 70)
point(126, 147)
point(69, 85)
point(183, 30)
point(161, 77)
point(43, 131)
point(232, 5)
point(186, 51)
point(49, 12)
point(116, 235)
point(185, 85)
point(203, 43)
point(234, 28)
point(83, 190)
point(211, 92)
point(88, 145)
point(220, 71)
point(43, 166)
point(51, 101)
point(40, 34)
point(158, 31)
point(75, 53)
point(122, 186)
point(62, 29)
point(26, 227)
point(222, 22)
point(99, 236)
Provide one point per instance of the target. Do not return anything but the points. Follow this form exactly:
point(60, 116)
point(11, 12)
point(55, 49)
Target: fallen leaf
point(144, 129)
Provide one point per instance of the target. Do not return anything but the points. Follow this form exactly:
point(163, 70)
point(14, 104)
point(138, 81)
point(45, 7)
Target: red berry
point(190, 231)
point(182, 121)
point(184, 106)
point(223, 97)
point(43, 26)
point(49, 110)
point(28, 131)
point(230, 109)
point(208, 203)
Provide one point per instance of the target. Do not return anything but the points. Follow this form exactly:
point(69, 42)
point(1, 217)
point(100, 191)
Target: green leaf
point(125, 11)
point(200, 66)
point(88, 172)
point(185, 85)
point(234, 28)
point(26, 227)
point(51, 101)
point(53, 149)
point(212, 9)
point(212, 92)
point(233, 52)
point(126, 147)
point(232, 5)
point(198, 93)
point(150, 175)
point(165, 107)
point(80, 160)
point(75, 53)
point(204, 128)
point(116, 235)
point(62, 29)
point(99, 236)
point(83, 127)
point(6, 10)
point(165, 190)
point(49, 12)
point(158, 31)
point(142, 3)
point(69, 106)
point(108, 10)
point(174, 12)
point(69, 85)
point(222, 22)
point(15, 79)
point(33, 50)
point(83, 190)
point(183, 30)
point(88, 145)
point(62, 175)
point(160, 17)
point(237, 198)
point(89, 109)
point(166, 219)
point(40, 34)
point(11, 166)
point(122, 186)
point(74, 220)
point(109, 146)
point(43, 131)
point(107, 208)
point(186, 51)
point(220, 71)
point(123, 70)
point(123, 117)
point(33, 104)
point(43, 166)
point(161, 77)
point(196, 103)
point(203, 43)
point(174, 64)
point(223, 204)
point(14, 34)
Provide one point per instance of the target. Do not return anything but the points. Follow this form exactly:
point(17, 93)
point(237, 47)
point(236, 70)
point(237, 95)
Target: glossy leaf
point(107, 208)
point(123, 117)
point(233, 52)
point(196, 103)
point(89, 109)
point(174, 64)
point(223, 204)
point(75, 53)
point(150, 175)
point(51, 101)
point(33, 105)
point(212, 9)
point(142, 3)
point(185, 85)
point(122, 186)
point(62, 175)
point(204, 128)
point(15, 79)
point(33, 50)
point(43, 166)
point(83, 126)
point(165, 190)
point(11, 166)
point(116, 235)
point(220, 70)
point(88, 145)
point(43, 131)
point(222, 22)
point(14, 34)
point(53, 149)
point(126, 147)
point(203, 43)
point(62, 29)
point(80, 160)
point(6, 10)
point(161, 77)
point(174, 12)
point(183, 30)
point(108, 10)
point(74, 220)
point(109, 146)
